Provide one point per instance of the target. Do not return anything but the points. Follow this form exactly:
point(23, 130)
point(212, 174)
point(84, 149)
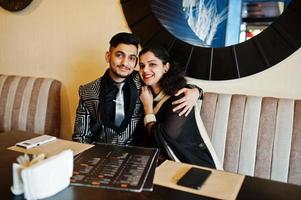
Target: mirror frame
point(271, 46)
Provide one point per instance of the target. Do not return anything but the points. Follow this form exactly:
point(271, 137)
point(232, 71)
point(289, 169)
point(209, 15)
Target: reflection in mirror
point(256, 16)
point(204, 18)
point(216, 23)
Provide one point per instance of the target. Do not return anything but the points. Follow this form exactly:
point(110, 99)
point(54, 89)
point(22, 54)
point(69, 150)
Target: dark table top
point(252, 188)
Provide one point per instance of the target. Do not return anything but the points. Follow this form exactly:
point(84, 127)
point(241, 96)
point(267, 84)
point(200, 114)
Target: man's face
point(122, 60)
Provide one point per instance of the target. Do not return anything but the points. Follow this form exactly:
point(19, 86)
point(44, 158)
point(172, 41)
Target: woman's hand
point(147, 99)
point(187, 102)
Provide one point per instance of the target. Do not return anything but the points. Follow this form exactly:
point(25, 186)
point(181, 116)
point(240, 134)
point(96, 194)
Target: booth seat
point(256, 136)
point(30, 104)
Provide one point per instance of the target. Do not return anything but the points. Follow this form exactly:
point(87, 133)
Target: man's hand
point(187, 102)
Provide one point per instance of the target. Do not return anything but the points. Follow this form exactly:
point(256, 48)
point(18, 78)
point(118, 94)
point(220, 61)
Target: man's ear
point(108, 56)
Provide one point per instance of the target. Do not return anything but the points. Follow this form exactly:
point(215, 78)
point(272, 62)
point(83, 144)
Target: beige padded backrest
point(256, 136)
point(30, 104)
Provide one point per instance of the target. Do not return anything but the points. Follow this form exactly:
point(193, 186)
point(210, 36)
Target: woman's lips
point(147, 76)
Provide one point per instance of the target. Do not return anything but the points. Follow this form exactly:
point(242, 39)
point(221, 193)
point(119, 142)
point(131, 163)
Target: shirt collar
point(110, 83)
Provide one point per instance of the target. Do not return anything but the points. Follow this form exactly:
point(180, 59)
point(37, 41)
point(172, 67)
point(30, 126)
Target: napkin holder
point(44, 178)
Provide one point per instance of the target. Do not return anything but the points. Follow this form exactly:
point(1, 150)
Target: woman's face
point(151, 69)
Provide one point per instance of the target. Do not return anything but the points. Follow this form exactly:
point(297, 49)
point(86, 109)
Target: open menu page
point(116, 167)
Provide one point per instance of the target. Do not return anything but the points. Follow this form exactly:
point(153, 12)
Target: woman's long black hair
point(173, 79)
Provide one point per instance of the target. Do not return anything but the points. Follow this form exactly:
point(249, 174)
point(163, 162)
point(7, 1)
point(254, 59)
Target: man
point(107, 114)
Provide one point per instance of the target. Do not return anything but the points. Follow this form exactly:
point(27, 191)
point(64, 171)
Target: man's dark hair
point(124, 38)
point(174, 79)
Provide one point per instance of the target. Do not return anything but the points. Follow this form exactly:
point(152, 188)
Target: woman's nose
point(145, 68)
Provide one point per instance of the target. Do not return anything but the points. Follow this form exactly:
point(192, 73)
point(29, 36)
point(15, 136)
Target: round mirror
point(14, 5)
point(275, 43)
point(216, 23)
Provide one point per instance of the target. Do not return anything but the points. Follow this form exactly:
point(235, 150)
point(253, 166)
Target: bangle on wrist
point(191, 86)
point(149, 118)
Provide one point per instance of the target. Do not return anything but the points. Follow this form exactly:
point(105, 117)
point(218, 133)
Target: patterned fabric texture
point(92, 126)
point(30, 104)
point(256, 136)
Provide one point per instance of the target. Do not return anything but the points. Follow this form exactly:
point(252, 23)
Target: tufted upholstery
point(30, 104)
point(257, 136)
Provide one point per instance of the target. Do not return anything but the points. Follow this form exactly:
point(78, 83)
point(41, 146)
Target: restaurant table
point(252, 188)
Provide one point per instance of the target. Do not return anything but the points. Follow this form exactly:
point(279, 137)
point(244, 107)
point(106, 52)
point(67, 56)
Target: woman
point(178, 137)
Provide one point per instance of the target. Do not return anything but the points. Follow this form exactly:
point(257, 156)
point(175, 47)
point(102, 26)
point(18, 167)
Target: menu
point(116, 167)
